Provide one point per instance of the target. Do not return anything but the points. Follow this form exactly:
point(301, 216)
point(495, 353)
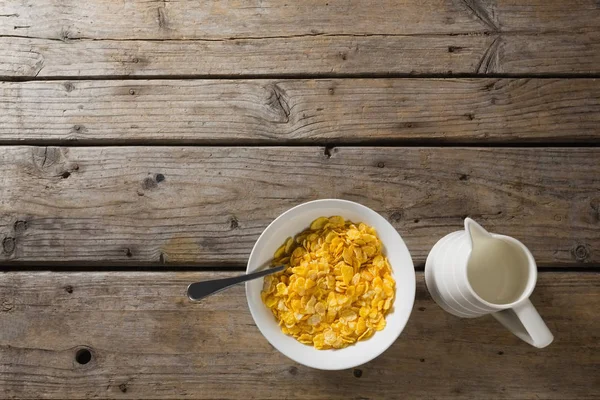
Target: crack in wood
point(162, 18)
point(483, 14)
point(272, 37)
point(490, 59)
point(45, 157)
point(281, 102)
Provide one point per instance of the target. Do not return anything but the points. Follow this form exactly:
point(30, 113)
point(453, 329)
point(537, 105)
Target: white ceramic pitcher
point(473, 272)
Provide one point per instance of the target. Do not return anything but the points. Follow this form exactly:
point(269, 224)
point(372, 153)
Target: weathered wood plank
point(148, 341)
point(218, 20)
point(301, 111)
point(186, 205)
point(535, 54)
point(315, 55)
point(103, 38)
point(105, 19)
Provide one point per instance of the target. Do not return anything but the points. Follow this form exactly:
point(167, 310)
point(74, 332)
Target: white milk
point(497, 270)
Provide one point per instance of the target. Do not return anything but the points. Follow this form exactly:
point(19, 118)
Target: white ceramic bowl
point(293, 222)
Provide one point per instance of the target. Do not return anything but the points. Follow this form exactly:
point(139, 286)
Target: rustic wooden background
point(145, 145)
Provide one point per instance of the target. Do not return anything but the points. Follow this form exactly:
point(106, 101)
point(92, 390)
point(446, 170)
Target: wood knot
point(68, 289)
point(69, 87)
point(64, 34)
point(46, 157)
point(234, 223)
point(581, 253)
point(278, 102)
point(8, 245)
point(151, 182)
point(380, 164)
point(293, 370)
point(20, 227)
point(6, 305)
point(396, 216)
point(463, 177)
point(123, 387)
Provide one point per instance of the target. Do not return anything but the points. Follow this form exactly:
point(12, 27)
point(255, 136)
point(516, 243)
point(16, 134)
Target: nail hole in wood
point(83, 356)
point(357, 373)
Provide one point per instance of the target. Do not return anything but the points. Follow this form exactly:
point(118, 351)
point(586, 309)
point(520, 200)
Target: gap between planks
point(326, 145)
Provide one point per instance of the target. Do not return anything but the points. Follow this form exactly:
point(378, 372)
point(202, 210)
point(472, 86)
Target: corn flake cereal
point(337, 287)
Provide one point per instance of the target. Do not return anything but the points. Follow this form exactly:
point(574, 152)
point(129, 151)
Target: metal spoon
point(199, 290)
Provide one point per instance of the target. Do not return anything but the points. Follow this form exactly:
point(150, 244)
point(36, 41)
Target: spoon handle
point(199, 290)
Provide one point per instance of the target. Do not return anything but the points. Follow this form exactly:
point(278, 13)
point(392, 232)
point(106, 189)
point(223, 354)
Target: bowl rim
point(370, 355)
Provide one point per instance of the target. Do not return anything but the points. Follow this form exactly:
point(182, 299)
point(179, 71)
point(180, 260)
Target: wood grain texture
point(208, 205)
point(218, 20)
point(327, 111)
point(225, 19)
point(148, 341)
point(533, 54)
point(315, 55)
point(224, 38)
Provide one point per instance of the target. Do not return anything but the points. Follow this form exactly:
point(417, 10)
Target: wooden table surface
point(145, 144)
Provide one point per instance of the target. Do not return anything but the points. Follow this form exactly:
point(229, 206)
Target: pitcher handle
point(525, 322)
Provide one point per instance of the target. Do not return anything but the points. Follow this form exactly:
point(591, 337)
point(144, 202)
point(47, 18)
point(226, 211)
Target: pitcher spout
point(475, 231)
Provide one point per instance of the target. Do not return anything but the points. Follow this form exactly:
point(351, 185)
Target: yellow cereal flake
point(337, 287)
